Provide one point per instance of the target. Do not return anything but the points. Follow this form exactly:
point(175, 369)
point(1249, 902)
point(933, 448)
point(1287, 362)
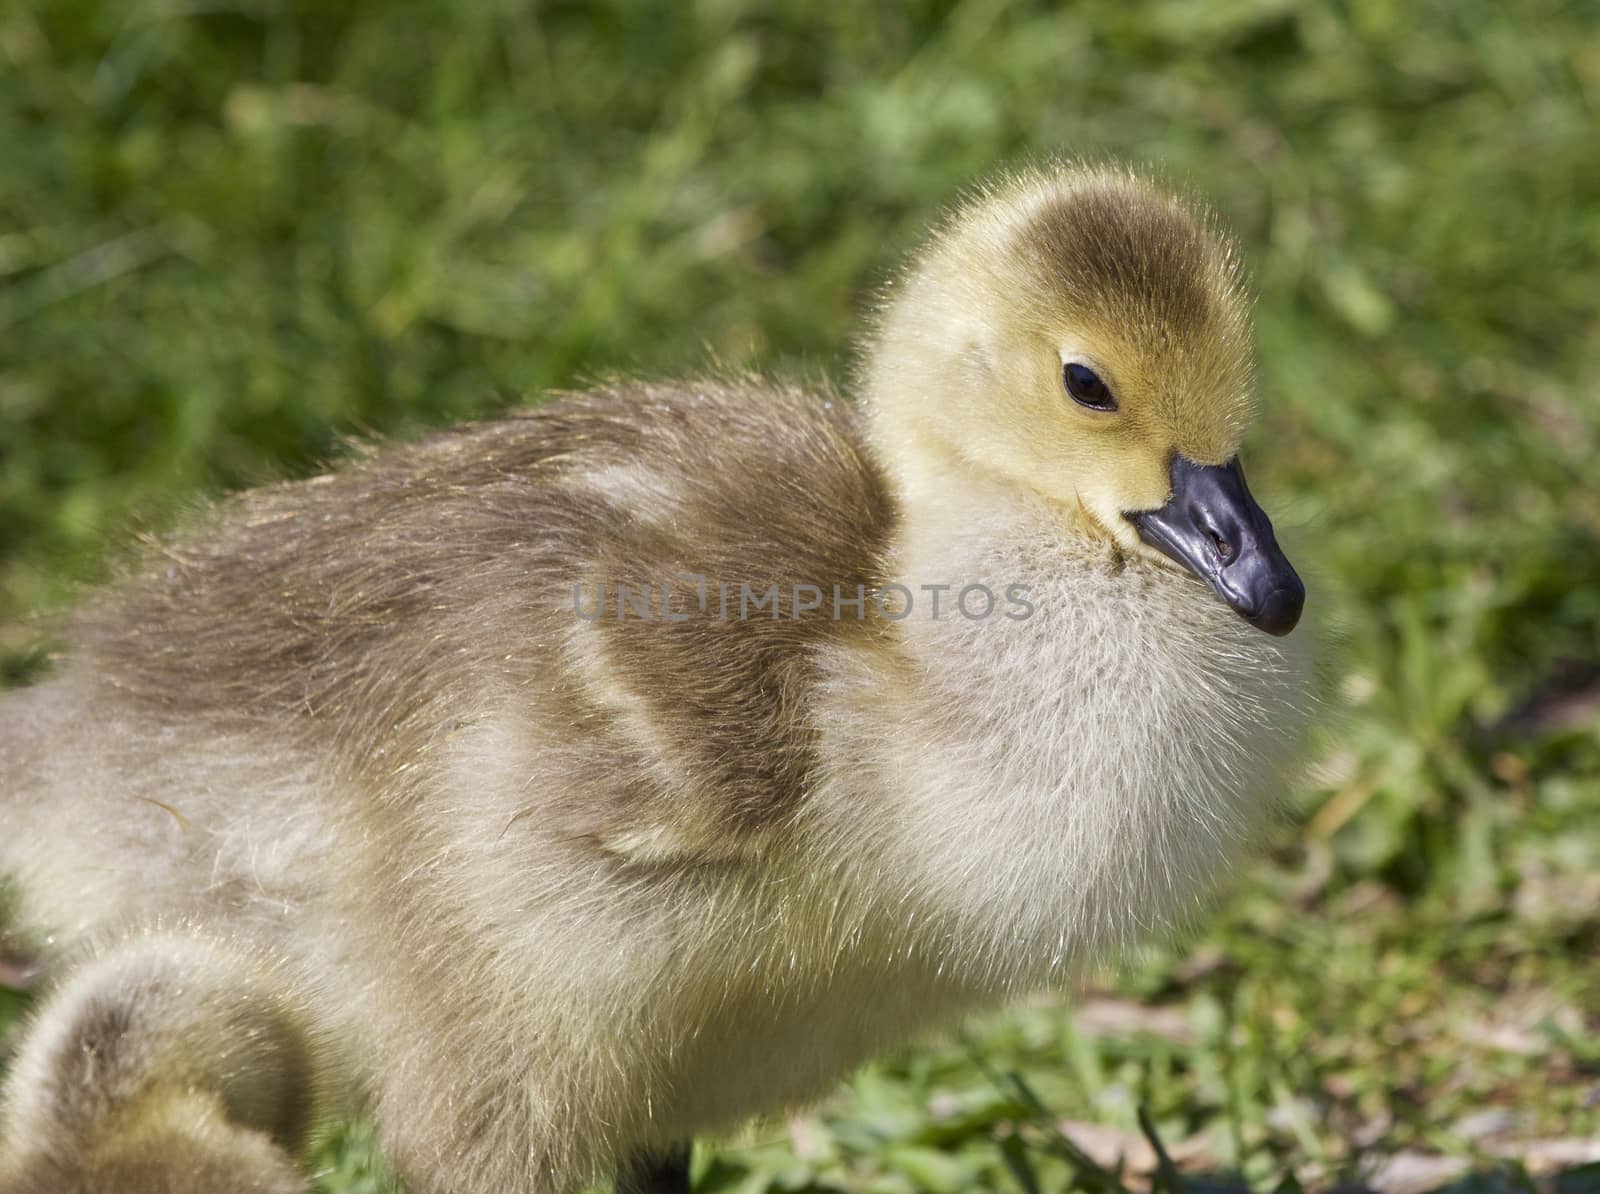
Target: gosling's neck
point(1043, 789)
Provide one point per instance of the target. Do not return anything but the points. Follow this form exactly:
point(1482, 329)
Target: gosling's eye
point(1086, 388)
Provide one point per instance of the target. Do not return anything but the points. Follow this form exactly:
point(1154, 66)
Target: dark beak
point(1213, 527)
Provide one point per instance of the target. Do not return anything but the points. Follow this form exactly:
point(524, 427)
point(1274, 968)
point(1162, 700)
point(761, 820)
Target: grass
point(232, 232)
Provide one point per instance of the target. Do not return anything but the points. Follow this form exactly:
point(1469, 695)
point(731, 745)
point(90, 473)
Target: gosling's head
point(1079, 333)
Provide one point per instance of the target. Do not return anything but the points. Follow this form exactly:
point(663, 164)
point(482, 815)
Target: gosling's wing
point(381, 612)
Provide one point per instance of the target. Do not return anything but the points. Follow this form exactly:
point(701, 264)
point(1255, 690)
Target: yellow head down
point(1078, 332)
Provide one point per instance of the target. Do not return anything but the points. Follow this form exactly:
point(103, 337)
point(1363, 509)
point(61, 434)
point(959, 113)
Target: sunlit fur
point(562, 890)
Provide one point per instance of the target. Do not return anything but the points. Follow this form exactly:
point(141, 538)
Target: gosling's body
point(568, 885)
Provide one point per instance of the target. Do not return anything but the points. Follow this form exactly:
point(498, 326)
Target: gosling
point(568, 785)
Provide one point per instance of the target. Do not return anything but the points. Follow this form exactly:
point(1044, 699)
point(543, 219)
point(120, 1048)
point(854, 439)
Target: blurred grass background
point(232, 231)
